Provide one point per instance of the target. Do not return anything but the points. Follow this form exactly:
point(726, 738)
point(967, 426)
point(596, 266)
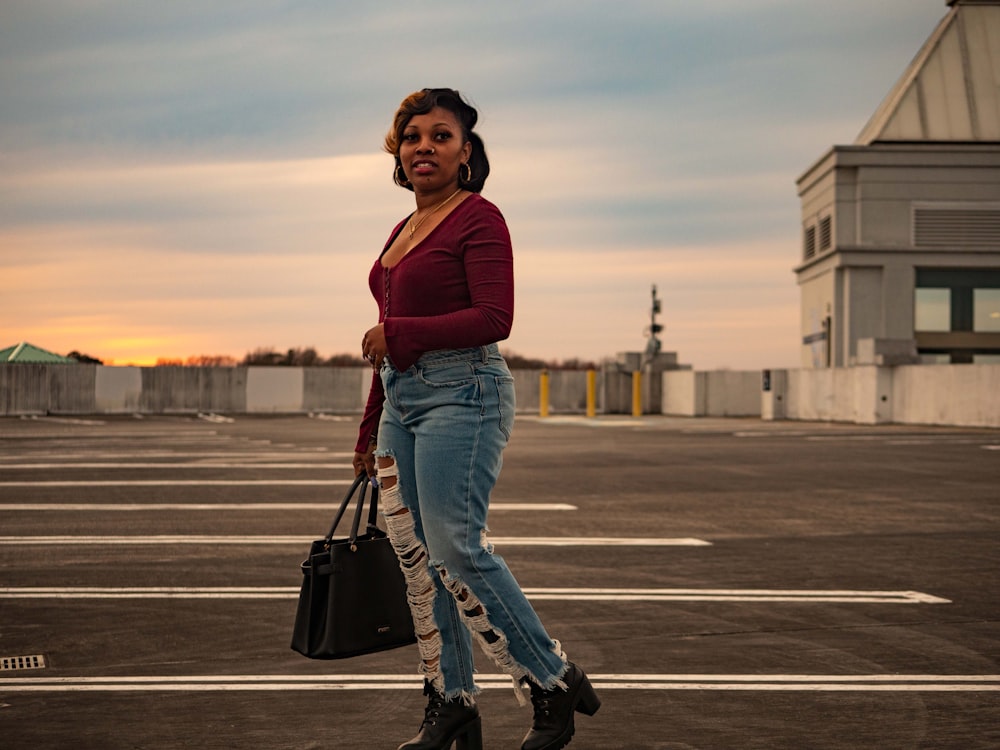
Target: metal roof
point(25, 353)
point(951, 90)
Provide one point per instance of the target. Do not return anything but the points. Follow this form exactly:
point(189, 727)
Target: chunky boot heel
point(553, 726)
point(472, 739)
point(588, 702)
point(447, 723)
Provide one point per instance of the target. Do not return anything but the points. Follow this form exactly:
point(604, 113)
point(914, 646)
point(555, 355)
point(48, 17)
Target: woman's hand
point(374, 347)
point(365, 462)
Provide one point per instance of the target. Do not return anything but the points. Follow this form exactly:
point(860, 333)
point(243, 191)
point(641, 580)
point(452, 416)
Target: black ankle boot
point(553, 726)
point(446, 722)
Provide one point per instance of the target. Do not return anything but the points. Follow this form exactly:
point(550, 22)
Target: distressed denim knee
point(412, 555)
point(444, 426)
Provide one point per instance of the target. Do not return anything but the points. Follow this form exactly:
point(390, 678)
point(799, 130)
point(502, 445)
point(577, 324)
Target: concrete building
point(901, 230)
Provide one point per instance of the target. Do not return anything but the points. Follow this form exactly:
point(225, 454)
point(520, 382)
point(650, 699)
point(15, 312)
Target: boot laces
point(435, 702)
point(542, 701)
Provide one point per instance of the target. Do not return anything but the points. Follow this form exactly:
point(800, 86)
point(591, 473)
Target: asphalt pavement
point(725, 583)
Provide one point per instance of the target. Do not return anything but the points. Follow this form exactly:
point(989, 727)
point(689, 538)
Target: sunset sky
point(187, 178)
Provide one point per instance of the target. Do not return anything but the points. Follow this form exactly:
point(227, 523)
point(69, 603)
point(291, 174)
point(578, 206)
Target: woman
point(438, 417)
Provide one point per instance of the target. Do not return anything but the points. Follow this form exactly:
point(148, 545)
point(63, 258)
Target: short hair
point(420, 103)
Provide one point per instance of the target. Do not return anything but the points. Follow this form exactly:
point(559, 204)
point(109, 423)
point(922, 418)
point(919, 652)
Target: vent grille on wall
point(957, 226)
point(825, 233)
point(809, 242)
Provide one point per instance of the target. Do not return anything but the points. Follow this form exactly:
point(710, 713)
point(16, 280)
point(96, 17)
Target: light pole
point(653, 345)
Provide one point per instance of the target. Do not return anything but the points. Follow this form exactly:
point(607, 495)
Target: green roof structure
point(25, 353)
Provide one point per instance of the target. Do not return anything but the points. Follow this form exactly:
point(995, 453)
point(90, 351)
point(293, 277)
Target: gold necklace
point(415, 227)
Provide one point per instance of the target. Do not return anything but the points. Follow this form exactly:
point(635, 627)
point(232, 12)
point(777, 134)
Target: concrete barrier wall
point(812, 395)
point(731, 393)
point(73, 389)
point(223, 389)
point(274, 390)
point(720, 393)
point(117, 390)
point(527, 388)
point(962, 395)
point(24, 389)
point(96, 389)
point(856, 394)
point(614, 392)
point(683, 393)
point(167, 390)
point(342, 389)
point(966, 395)
point(185, 390)
point(567, 391)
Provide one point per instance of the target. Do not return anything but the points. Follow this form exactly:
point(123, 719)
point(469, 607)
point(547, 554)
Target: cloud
point(207, 303)
point(207, 177)
point(237, 255)
point(229, 207)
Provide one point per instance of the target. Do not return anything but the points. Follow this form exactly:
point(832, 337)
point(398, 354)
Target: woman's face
point(431, 150)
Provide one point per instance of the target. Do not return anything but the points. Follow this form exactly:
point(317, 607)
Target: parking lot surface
point(725, 583)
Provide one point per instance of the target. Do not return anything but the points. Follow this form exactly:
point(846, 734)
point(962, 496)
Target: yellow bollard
point(591, 393)
point(637, 394)
point(543, 394)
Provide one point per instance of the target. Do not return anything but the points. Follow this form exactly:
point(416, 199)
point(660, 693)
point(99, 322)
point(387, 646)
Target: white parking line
point(727, 682)
point(737, 595)
point(67, 466)
point(185, 483)
point(66, 458)
point(560, 594)
point(143, 432)
point(65, 420)
point(582, 421)
point(287, 540)
point(138, 507)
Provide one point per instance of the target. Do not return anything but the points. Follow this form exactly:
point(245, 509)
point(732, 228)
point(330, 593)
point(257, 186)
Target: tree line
point(263, 356)
point(309, 357)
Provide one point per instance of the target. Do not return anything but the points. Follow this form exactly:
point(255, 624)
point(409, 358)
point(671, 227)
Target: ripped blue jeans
point(445, 423)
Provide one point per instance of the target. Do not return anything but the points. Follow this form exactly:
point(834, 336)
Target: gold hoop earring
point(468, 173)
point(399, 176)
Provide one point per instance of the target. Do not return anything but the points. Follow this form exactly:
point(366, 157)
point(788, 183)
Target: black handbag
point(353, 596)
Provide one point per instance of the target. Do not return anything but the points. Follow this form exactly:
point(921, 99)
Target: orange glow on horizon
point(134, 351)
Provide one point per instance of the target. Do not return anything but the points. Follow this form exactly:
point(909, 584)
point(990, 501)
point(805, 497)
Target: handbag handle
point(359, 481)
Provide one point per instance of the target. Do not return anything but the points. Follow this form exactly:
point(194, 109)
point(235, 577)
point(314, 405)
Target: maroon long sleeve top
point(453, 290)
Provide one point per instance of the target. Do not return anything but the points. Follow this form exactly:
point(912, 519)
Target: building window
point(810, 242)
point(957, 313)
point(932, 310)
point(825, 233)
point(986, 310)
